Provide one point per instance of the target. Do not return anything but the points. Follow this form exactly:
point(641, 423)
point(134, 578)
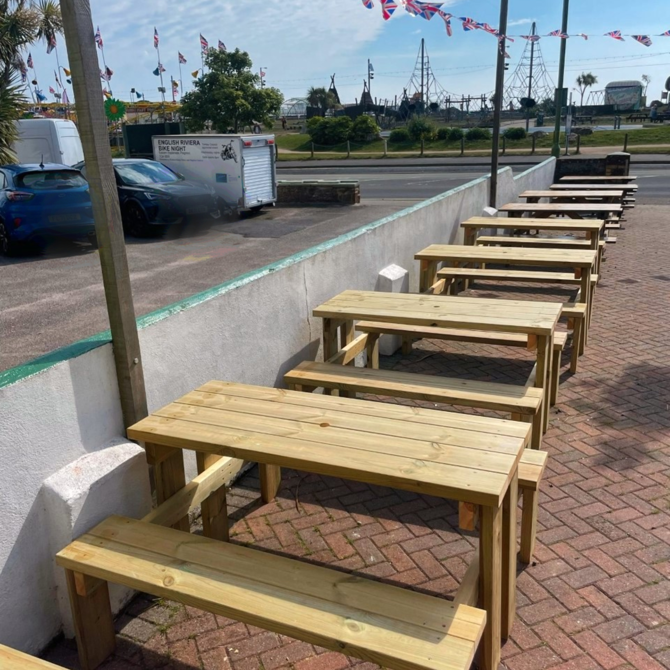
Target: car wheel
point(136, 223)
point(8, 247)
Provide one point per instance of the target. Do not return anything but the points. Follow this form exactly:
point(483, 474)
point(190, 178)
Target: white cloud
point(520, 22)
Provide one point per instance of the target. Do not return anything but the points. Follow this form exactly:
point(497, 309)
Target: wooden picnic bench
point(476, 462)
point(11, 659)
point(571, 210)
point(507, 316)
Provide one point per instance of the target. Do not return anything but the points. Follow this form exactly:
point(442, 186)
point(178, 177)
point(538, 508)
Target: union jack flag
point(30, 61)
point(447, 22)
point(425, 10)
point(531, 38)
point(643, 39)
point(388, 7)
point(156, 39)
point(98, 38)
point(558, 33)
point(204, 44)
point(616, 34)
point(222, 46)
point(584, 35)
point(182, 60)
point(468, 23)
point(487, 29)
point(368, 4)
point(665, 34)
point(52, 44)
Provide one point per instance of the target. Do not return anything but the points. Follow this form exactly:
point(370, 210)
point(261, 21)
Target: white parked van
point(48, 141)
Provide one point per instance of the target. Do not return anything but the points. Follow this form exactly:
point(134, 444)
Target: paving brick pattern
point(597, 596)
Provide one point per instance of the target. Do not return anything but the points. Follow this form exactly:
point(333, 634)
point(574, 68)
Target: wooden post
point(79, 32)
point(214, 508)
point(462, 146)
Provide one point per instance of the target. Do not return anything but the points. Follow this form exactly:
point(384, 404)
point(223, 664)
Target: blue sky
point(303, 42)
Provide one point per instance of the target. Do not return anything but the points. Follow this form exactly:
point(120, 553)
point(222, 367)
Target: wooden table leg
point(490, 592)
point(509, 557)
point(270, 476)
point(585, 297)
point(170, 478)
point(214, 508)
point(543, 376)
point(427, 275)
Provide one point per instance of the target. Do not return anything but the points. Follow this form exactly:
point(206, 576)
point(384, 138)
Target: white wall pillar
point(392, 279)
point(114, 480)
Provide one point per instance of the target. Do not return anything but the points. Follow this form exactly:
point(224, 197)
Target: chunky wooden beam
point(348, 353)
point(468, 591)
point(194, 493)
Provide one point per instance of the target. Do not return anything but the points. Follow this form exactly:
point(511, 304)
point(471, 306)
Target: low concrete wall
point(252, 329)
point(318, 192)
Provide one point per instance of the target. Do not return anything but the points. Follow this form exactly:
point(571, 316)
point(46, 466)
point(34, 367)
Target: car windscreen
point(140, 174)
point(50, 180)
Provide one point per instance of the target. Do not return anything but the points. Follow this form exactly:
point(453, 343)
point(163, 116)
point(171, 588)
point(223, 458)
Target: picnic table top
point(572, 186)
point(591, 225)
point(465, 458)
point(582, 258)
point(508, 316)
point(594, 178)
point(560, 208)
point(575, 193)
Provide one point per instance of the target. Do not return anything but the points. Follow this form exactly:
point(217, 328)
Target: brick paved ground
point(597, 596)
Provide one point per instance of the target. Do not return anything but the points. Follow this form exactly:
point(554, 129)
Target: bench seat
point(11, 659)
point(528, 241)
point(510, 275)
point(387, 625)
point(519, 401)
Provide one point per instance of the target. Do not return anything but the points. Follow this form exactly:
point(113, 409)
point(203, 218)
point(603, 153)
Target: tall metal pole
point(497, 109)
point(78, 29)
point(423, 63)
point(556, 147)
point(530, 77)
point(369, 80)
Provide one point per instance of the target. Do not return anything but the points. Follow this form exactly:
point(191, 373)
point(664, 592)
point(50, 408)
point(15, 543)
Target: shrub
point(443, 134)
point(364, 129)
point(455, 134)
point(475, 134)
point(515, 134)
point(399, 136)
point(329, 131)
point(420, 129)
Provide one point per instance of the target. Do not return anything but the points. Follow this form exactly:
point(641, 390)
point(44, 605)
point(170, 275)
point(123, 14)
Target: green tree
point(584, 81)
point(21, 23)
point(229, 96)
point(321, 98)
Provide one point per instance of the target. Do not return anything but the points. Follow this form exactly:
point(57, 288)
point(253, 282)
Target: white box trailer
point(241, 168)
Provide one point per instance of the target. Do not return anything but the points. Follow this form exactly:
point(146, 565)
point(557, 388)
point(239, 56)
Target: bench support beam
point(171, 478)
point(528, 524)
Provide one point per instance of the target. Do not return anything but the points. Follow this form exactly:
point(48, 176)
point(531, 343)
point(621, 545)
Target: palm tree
point(21, 23)
point(321, 98)
point(584, 81)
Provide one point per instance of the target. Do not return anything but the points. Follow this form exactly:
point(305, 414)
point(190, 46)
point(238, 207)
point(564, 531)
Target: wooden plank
point(270, 481)
point(92, 124)
point(531, 468)
point(216, 476)
point(599, 178)
point(528, 524)
point(349, 352)
point(560, 224)
point(527, 241)
point(468, 591)
point(560, 209)
point(490, 587)
point(509, 558)
point(321, 406)
point(170, 479)
point(388, 625)
point(450, 390)
point(12, 659)
point(404, 472)
point(581, 194)
point(583, 186)
point(93, 622)
point(511, 275)
point(510, 255)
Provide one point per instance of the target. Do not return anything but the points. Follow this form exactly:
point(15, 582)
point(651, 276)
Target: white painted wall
point(250, 330)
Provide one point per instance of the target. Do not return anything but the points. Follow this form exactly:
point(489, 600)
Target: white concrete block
point(392, 279)
point(114, 480)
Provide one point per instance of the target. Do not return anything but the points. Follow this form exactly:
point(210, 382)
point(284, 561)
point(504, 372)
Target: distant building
point(626, 96)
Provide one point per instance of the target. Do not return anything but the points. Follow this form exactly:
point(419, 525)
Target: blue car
point(38, 202)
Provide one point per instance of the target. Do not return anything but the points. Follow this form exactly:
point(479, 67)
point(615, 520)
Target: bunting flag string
point(615, 34)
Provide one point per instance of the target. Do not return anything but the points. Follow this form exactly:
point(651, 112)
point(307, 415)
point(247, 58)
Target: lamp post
point(497, 108)
point(556, 148)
